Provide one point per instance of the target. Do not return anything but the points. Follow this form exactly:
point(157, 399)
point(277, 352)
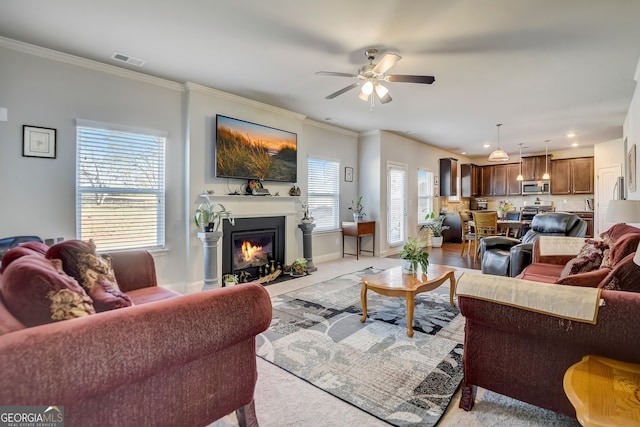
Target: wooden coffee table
point(394, 282)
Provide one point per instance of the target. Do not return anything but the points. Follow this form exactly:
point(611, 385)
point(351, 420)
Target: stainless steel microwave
point(535, 187)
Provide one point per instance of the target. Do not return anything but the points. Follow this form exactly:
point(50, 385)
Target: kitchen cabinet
point(513, 185)
point(470, 180)
point(572, 176)
point(534, 167)
point(587, 216)
point(449, 177)
point(494, 180)
point(582, 175)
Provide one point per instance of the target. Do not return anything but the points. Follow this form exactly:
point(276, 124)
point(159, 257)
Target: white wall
point(41, 87)
point(48, 89)
point(379, 148)
point(631, 132)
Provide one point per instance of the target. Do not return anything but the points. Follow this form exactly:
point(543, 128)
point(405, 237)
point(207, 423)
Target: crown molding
point(330, 127)
point(55, 55)
point(195, 87)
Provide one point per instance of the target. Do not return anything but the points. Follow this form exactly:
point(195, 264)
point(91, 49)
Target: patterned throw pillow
point(37, 291)
point(588, 259)
point(92, 271)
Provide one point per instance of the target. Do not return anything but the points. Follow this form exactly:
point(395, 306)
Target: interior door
point(607, 177)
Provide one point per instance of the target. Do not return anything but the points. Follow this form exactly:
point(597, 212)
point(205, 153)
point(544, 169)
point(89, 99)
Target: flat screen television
point(251, 151)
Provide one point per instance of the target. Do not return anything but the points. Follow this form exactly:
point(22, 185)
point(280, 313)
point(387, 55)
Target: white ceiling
point(540, 67)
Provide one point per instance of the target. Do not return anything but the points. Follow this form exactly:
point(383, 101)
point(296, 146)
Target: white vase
point(407, 267)
point(436, 242)
point(357, 217)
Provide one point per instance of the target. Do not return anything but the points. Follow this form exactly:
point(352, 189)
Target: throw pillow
point(589, 279)
point(37, 291)
point(26, 248)
point(624, 277)
point(589, 258)
point(92, 271)
point(623, 246)
point(617, 230)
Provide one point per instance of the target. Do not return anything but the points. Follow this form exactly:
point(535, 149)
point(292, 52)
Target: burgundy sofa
point(524, 354)
point(168, 360)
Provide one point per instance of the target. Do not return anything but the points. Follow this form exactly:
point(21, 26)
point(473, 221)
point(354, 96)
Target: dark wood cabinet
point(534, 167)
point(493, 180)
point(513, 185)
point(582, 175)
point(449, 177)
point(588, 218)
point(572, 176)
point(470, 180)
point(561, 177)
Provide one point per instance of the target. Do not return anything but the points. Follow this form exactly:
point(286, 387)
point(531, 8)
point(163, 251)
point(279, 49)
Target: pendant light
point(546, 160)
point(520, 177)
point(499, 155)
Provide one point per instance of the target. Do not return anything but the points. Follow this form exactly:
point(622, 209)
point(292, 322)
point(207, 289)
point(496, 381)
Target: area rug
point(316, 334)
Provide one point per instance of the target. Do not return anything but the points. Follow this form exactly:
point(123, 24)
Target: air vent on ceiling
point(128, 59)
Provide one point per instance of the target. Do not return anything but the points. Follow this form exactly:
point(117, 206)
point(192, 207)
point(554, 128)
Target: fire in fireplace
point(253, 245)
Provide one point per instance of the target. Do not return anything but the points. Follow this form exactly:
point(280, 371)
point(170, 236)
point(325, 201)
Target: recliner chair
point(507, 256)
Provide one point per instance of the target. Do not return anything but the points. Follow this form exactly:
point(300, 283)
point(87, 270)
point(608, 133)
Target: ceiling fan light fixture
point(381, 90)
point(363, 96)
point(499, 155)
point(367, 88)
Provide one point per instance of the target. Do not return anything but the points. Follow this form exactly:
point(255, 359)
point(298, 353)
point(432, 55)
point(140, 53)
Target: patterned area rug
point(316, 334)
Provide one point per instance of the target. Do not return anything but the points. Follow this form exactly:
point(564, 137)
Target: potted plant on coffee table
point(435, 223)
point(414, 256)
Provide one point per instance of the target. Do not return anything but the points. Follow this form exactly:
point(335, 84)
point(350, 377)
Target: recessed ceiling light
point(464, 152)
point(575, 144)
point(571, 135)
point(487, 145)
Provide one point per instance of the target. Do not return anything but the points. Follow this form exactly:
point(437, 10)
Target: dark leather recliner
point(7, 243)
point(506, 256)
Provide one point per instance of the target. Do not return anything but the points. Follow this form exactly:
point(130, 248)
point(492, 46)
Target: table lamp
point(623, 211)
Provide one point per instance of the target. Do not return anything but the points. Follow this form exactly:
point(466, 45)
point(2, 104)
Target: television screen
point(250, 151)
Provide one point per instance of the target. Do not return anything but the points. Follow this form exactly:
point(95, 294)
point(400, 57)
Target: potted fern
point(435, 223)
point(414, 256)
point(209, 216)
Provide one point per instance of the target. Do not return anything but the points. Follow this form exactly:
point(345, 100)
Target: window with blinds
point(425, 194)
point(324, 193)
point(397, 204)
point(120, 187)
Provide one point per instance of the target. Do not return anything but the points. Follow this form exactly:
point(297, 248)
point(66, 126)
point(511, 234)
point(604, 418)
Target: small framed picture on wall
point(348, 174)
point(38, 142)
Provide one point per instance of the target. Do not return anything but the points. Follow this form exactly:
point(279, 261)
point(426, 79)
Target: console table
point(357, 230)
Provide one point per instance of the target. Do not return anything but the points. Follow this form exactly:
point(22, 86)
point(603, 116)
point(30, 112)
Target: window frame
point(139, 187)
point(313, 194)
point(429, 194)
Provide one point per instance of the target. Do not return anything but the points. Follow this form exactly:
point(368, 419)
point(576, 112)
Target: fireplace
point(253, 245)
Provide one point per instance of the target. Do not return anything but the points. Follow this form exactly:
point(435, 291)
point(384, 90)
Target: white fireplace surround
point(262, 206)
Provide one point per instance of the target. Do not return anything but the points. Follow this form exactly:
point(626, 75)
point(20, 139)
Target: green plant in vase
point(414, 254)
point(209, 216)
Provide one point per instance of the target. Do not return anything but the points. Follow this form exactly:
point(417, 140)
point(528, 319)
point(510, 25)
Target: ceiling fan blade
point(341, 91)
point(410, 79)
point(386, 62)
point(331, 73)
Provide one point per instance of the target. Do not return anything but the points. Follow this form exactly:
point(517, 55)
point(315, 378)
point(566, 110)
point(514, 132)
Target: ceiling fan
point(370, 76)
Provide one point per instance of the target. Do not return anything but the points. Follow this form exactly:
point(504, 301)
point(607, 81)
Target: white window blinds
point(324, 193)
point(120, 187)
point(397, 204)
point(425, 194)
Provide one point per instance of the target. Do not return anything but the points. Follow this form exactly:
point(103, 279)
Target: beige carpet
point(284, 400)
